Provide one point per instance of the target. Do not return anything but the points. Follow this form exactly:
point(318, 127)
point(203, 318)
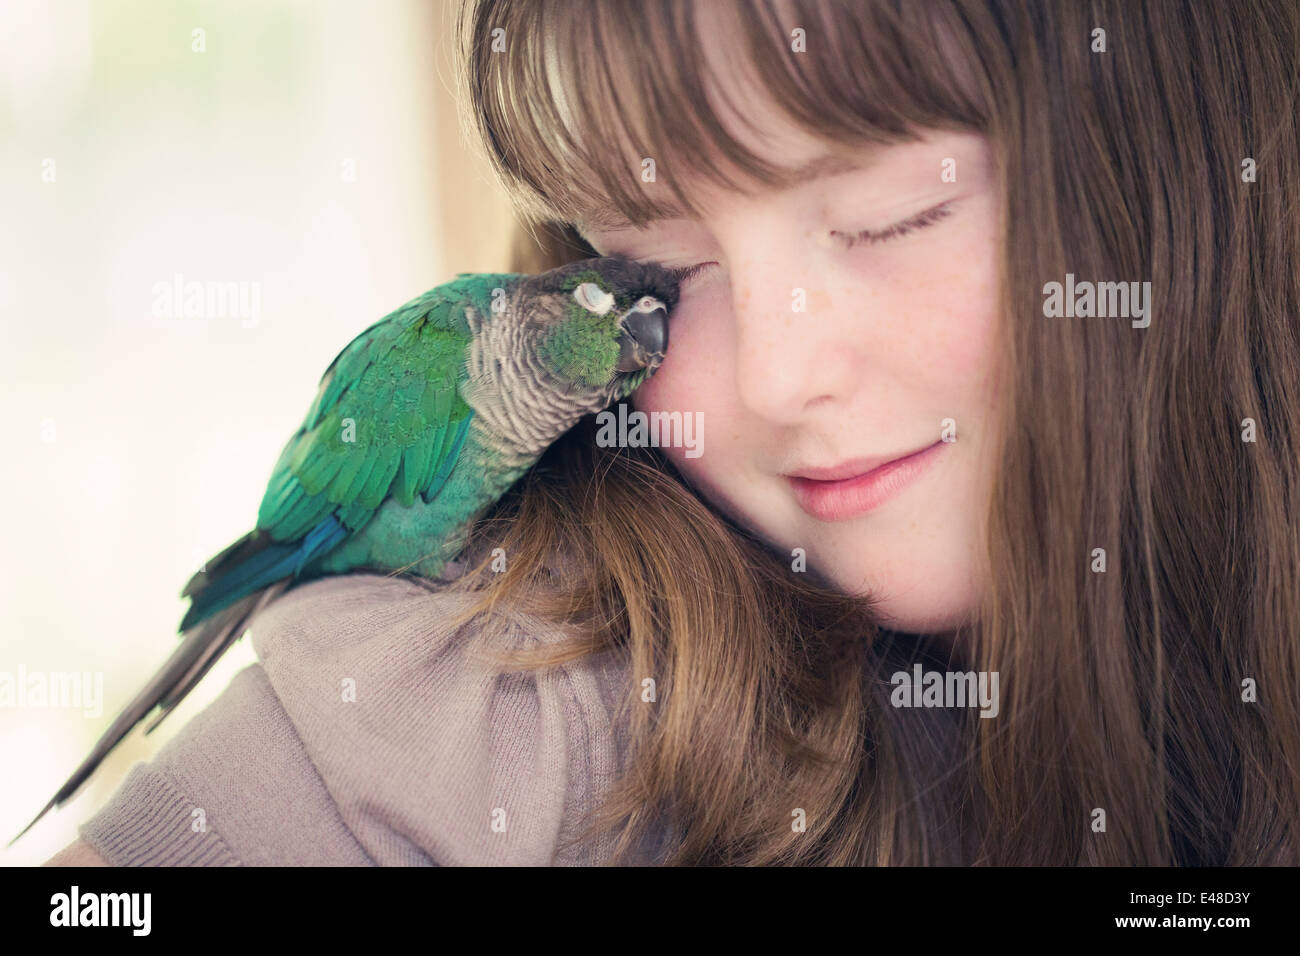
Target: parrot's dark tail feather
point(237, 616)
point(198, 651)
point(254, 562)
point(235, 554)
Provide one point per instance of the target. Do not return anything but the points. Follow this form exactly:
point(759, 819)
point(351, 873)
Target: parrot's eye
point(593, 298)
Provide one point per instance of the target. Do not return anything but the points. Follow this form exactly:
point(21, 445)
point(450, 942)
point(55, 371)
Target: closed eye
point(919, 221)
point(685, 272)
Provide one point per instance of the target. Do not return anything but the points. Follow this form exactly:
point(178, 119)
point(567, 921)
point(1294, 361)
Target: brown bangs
point(572, 97)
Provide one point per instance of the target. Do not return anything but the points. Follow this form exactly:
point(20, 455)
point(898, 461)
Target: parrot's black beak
point(643, 338)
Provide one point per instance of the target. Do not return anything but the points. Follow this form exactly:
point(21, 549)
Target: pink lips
point(851, 495)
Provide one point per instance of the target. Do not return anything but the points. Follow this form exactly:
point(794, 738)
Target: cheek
point(697, 376)
point(696, 370)
point(956, 347)
point(950, 313)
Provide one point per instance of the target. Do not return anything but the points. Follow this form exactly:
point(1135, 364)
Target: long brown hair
point(1163, 691)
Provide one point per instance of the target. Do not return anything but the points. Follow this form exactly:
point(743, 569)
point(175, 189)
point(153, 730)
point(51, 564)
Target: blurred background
point(307, 155)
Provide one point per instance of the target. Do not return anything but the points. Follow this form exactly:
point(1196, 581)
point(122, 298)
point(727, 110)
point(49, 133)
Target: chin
point(932, 605)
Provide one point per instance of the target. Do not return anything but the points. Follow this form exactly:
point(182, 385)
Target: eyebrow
point(828, 164)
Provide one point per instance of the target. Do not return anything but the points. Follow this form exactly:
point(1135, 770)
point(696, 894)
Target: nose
point(790, 362)
point(644, 335)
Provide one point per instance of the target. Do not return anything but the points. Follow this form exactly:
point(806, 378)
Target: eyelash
point(680, 276)
point(919, 221)
point(851, 239)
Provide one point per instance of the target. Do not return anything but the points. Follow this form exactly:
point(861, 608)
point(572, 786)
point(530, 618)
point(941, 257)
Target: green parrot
point(419, 425)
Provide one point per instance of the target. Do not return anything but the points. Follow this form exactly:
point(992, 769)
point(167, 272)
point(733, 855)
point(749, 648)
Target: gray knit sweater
point(371, 734)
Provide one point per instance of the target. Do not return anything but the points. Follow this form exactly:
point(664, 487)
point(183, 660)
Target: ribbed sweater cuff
point(147, 822)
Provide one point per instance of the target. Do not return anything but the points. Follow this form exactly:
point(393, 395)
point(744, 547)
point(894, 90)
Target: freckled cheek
point(954, 345)
point(690, 382)
point(696, 372)
point(950, 327)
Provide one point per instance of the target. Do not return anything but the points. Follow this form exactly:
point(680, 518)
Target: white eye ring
point(593, 298)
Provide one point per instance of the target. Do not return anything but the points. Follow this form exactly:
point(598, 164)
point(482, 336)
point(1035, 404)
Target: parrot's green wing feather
point(388, 419)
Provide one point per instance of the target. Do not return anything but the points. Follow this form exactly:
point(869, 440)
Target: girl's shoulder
point(394, 737)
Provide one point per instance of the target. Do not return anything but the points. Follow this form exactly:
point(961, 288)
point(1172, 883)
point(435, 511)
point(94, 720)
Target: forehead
point(711, 94)
point(827, 160)
point(747, 115)
point(744, 115)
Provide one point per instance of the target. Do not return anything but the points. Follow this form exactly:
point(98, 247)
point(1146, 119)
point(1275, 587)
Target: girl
point(991, 315)
point(1112, 531)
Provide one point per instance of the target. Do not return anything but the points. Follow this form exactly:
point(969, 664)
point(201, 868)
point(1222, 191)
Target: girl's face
point(895, 344)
